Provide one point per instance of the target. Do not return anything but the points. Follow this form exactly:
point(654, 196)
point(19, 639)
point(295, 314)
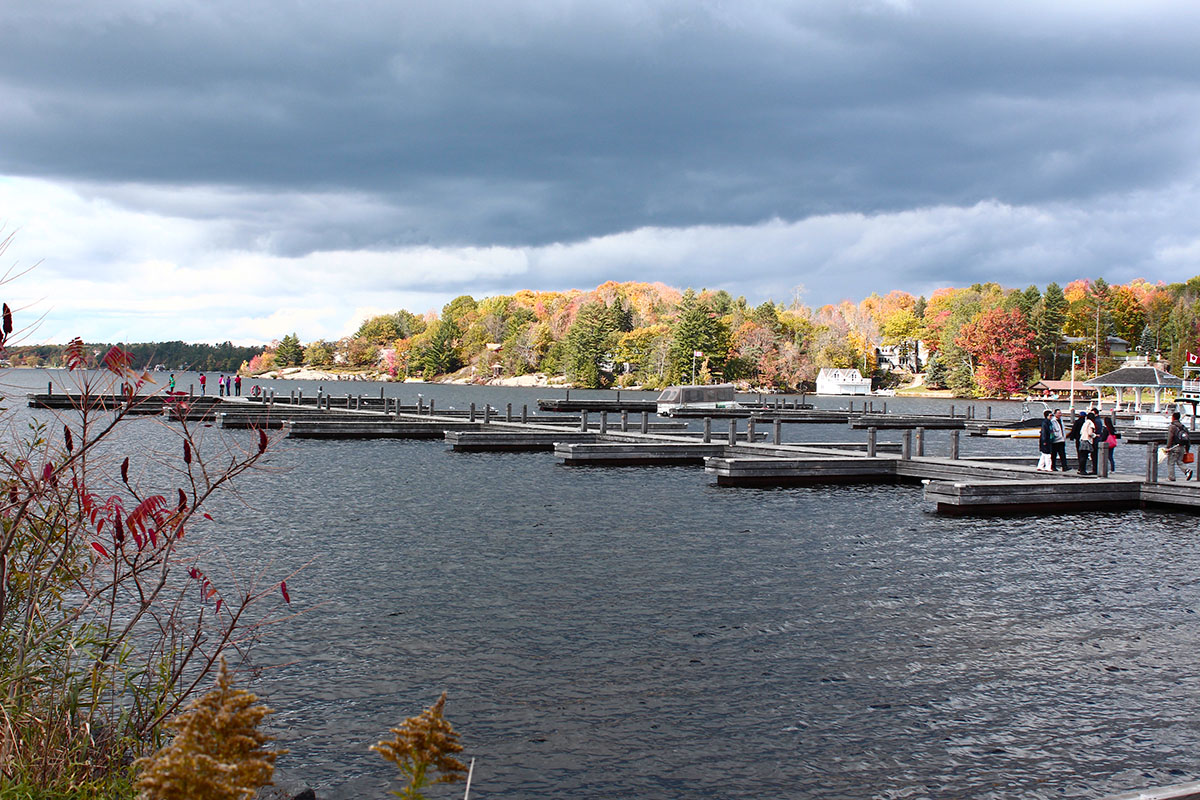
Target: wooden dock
point(981, 485)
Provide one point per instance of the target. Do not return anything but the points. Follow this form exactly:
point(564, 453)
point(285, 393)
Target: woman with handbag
point(1110, 425)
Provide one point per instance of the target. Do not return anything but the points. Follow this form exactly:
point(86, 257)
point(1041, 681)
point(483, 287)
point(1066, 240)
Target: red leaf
point(117, 360)
point(154, 537)
point(262, 441)
point(193, 573)
point(182, 501)
point(47, 472)
point(7, 320)
point(208, 516)
point(283, 590)
point(99, 549)
point(219, 601)
point(187, 453)
point(125, 470)
point(74, 355)
point(70, 440)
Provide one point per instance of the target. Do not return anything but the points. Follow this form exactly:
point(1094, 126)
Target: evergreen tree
point(696, 329)
point(588, 346)
point(438, 356)
point(289, 353)
point(1050, 329)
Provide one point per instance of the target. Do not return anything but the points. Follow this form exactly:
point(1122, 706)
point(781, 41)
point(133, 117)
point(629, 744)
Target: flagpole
point(1072, 381)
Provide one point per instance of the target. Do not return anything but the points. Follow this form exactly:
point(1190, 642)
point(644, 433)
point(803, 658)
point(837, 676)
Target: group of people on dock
point(1088, 430)
point(227, 385)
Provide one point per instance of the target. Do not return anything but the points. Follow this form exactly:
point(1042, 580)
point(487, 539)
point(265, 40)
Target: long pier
point(740, 455)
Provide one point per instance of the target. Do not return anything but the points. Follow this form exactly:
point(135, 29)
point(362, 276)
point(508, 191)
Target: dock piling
point(872, 437)
point(487, 413)
point(707, 430)
point(951, 411)
point(906, 446)
point(508, 413)
point(472, 412)
point(50, 388)
point(778, 430)
point(750, 429)
point(1102, 459)
point(921, 442)
point(1152, 462)
point(624, 421)
point(524, 414)
point(300, 399)
point(733, 430)
point(583, 421)
point(645, 422)
point(885, 406)
point(954, 445)
point(431, 406)
point(603, 422)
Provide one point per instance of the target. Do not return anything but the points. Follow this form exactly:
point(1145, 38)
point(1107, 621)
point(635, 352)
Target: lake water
point(642, 633)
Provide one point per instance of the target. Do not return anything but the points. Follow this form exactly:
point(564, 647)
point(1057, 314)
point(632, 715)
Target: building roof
point(1062, 386)
point(842, 375)
point(1144, 377)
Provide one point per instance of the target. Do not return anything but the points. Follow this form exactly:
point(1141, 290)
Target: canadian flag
point(698, 354)
point(1192, 358)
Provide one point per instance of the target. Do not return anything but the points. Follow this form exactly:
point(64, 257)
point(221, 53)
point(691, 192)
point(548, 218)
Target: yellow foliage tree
point(217, 753)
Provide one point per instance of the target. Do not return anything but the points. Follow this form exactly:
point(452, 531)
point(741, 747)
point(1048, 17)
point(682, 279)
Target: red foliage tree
point(998, 342)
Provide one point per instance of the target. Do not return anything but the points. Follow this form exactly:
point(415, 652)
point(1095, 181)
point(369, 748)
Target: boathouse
point(842, 381)
point(1139, 376)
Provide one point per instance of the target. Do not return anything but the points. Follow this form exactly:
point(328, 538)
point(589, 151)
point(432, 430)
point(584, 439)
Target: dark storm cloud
point(530, 123)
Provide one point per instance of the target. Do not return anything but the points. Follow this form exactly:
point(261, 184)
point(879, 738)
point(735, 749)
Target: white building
point(842, 381)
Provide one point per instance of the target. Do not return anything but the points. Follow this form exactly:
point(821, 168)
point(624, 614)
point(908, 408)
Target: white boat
point(885, 392)
point(690, 399)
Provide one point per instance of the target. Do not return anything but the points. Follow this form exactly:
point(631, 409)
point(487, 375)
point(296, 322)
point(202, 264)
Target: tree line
point(983, 339)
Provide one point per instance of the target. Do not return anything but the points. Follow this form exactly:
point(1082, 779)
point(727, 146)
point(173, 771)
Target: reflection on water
point(642, 633)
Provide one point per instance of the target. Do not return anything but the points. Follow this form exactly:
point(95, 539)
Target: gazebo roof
point(1135, 377)
point(1061, 386)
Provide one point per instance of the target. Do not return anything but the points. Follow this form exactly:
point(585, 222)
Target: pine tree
point(217, 753)
point(696, 329)
point(589, 344)
point(289, 353)
point(1050, 329)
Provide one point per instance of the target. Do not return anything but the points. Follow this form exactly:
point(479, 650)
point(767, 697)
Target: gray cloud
point(638, 139)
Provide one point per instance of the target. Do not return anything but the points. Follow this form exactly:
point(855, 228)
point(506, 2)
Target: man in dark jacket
point(1074, 437)
point(1178, 442)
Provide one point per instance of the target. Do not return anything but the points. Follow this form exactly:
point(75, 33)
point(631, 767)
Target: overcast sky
point(213, 170)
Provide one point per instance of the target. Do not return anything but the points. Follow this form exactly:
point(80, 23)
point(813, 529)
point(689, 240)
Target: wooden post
point(300, 399)
point(952, 411)
point(487, 413)
point(707, 430)
point(380, 392)
point(732, 430)
point(431, 406)
point(472, 413)
point(989, 412)
point(420, 405)
point(568, 394)
point(624, 421)
point(885, 406)
point(1152, 462)
point(508, 413)
point(645, 422)
point(921, 442)
point(191, 391)
point(750, 429)
point(1102, 459)
point(50, 388)
point(851, 406)
point(906, 445)
point(583, 420)
point(778, 430)
point(954, 445)
point(872, 434)
point(347, 398)
point(802, 398)
point(524, 414)
point(604, 422)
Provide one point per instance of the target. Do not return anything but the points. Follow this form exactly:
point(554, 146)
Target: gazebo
point(1137, 376)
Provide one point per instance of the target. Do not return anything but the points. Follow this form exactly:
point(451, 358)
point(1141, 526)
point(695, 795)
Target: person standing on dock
point(1178, 443)
point(1087, 444)
point(1110, 439)
point(237, 385)
point(221, 385)
point(1059, 434)
point(203, 383)
point(1076, 426)
point(1046, 444)
point(171, 383)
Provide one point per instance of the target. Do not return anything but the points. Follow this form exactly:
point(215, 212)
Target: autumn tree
point(998, 343)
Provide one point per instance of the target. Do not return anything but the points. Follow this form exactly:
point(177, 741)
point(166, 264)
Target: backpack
point(1182, 437)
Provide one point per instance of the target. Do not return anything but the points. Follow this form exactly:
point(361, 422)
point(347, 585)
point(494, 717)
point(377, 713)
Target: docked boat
point(690, 399)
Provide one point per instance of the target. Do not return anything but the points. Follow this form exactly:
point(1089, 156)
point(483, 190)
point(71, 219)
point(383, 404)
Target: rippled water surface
point(642, 633)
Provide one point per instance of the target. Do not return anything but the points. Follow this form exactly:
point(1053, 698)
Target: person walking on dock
point(1059, 453)
point(1087, 444)
point(1178, 443)
point(203, 383)
point(1046, 444)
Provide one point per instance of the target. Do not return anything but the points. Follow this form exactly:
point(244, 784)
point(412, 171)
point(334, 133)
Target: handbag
point(1111, 441)
point(1188, 458)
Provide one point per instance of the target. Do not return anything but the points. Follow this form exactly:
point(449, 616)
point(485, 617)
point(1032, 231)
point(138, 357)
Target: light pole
point(1074, 359)
point(694, 354)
